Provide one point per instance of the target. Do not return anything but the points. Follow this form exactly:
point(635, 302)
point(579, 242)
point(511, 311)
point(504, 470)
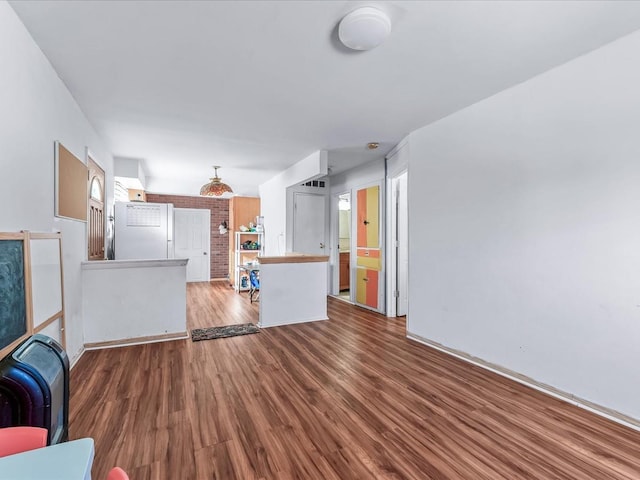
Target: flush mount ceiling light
point(215, 188)
point(364, 28)
point(372, 145)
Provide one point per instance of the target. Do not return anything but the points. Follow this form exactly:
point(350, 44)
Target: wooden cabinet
point(344, 270)
point(137, 195)
point(242, 211)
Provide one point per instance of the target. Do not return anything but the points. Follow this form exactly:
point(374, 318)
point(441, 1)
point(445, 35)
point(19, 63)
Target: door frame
point(334, 215)
point(397, 165)
point(208, 230)
point(393, 290)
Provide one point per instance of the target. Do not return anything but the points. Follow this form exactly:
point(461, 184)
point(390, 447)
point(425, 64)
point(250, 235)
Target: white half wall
point(37, 109)
point(525, 228)
point(273, 198)
point(129, 299)
point(285, 302)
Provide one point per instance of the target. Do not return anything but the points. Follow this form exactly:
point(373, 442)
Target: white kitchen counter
point(134, 301)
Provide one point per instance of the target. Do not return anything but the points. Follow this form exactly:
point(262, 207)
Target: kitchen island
point(134, 301)
point(293, 289)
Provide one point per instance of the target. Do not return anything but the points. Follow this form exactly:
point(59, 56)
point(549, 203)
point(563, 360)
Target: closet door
point(368, 251)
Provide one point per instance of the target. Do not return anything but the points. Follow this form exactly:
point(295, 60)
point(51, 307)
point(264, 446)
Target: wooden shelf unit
point(242, 256)
point(242, 211)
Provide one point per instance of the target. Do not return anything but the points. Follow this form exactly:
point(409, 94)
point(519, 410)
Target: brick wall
point(219, 208)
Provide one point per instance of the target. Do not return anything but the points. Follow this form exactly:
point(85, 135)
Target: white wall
point(525, 228)
point(364, 174)
point(37, 109)
point(273, 198)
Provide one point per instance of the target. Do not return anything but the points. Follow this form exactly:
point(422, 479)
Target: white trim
point(334, 258)
point(397, 165)
point(73, 362)
point(399, 146)
point(530, 382)
point(390, 256)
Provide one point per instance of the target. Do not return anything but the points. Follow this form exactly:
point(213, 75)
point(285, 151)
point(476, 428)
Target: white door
point(309, 222)
point(192, 240)
point(402, 237)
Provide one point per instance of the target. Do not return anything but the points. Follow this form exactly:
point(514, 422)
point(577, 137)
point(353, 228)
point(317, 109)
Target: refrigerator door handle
point(170, 227)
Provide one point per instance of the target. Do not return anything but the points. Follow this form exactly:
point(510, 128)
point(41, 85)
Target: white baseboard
point(74, 360)
point(530, 382)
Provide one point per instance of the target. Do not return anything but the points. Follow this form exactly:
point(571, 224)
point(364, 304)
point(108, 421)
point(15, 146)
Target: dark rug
point(210, 333)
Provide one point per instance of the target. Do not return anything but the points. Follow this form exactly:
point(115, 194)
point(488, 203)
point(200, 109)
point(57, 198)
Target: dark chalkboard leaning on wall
point(31, 288)
point(15, 319)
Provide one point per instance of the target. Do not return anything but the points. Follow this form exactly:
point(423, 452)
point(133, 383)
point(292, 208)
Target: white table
point(63, 461)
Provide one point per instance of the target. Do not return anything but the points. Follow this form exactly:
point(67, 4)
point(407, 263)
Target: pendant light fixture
point(215, 188)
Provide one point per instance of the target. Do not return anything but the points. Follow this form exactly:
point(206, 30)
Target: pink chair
point(116, 473)
point(21, 439)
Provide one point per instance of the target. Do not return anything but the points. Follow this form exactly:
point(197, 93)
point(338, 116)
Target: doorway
point(344, 246)
point(193, 241)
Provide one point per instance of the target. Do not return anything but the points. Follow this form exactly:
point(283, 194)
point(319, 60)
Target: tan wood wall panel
point(71, 191)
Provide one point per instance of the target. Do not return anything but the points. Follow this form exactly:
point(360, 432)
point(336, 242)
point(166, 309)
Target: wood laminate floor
point(347, 398)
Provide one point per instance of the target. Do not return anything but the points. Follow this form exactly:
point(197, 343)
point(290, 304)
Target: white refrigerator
point(143, 231)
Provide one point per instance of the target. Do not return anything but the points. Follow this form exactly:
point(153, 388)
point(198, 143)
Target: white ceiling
point(256, 86)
